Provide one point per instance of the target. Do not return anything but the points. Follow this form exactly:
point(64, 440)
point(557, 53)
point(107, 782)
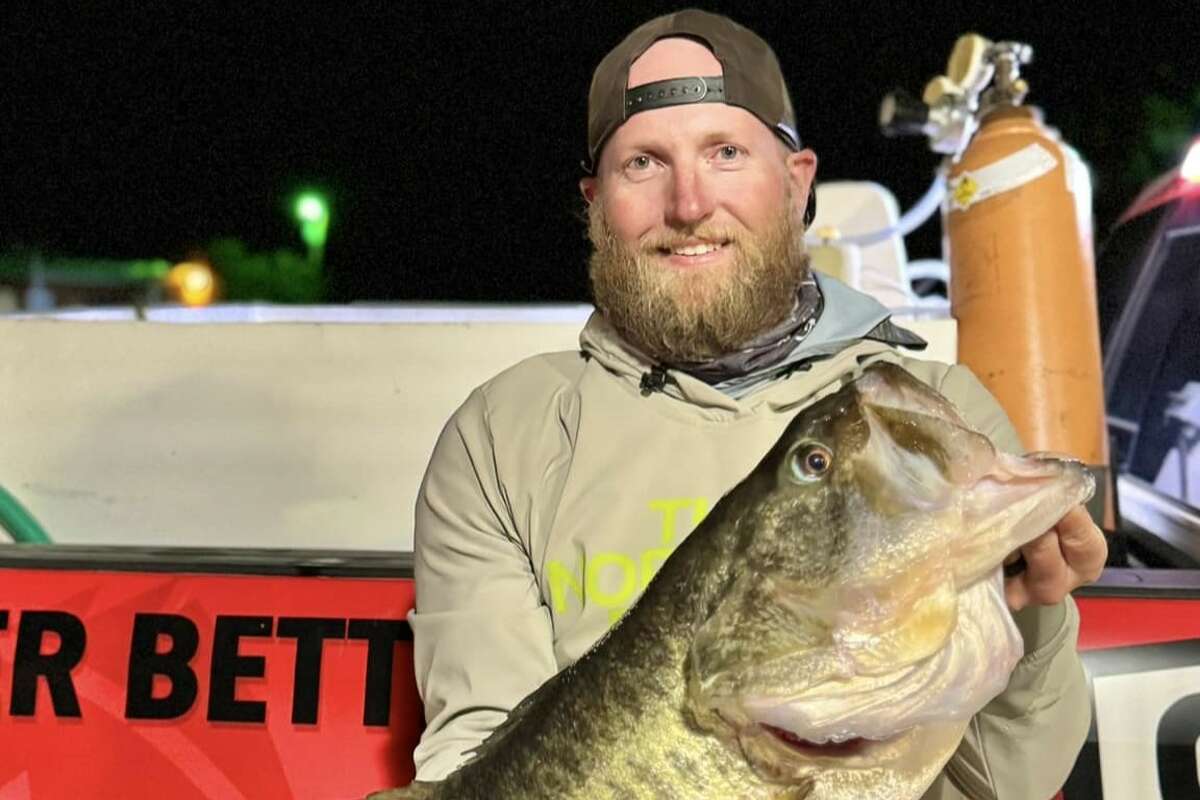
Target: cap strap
point(674, 92)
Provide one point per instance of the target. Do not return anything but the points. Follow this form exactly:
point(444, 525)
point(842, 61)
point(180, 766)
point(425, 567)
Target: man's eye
point(639, 162)
point(728, 152)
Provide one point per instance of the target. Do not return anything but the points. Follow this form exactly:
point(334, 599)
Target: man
point(560, 486)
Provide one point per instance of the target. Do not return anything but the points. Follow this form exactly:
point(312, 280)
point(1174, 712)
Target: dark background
point(449, 135)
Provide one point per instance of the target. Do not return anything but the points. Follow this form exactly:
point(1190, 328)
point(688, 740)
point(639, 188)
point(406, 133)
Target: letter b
point(145, 662)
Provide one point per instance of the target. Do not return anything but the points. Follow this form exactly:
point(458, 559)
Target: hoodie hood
point(848, 317)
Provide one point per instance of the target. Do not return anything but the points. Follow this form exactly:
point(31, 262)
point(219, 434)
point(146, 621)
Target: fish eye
point(810, 462)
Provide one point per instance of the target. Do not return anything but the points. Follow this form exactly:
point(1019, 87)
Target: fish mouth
point(902, 765)
point(1022, 497)
point(1024, 491)
point(834, 748)
point(947, 687)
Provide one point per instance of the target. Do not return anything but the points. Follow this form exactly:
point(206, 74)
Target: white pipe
point(915, 217)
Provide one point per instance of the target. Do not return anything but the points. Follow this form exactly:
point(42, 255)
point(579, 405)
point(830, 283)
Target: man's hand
point(1063, 558)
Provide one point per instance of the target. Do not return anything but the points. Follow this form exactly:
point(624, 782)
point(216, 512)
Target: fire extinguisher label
point(1016, 169)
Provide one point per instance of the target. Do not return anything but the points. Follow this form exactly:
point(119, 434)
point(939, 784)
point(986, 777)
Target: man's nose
point(691, 199)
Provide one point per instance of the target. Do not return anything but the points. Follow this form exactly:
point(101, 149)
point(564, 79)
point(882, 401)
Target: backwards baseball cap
point(750, 79)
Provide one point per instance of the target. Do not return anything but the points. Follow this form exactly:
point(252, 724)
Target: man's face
point(695, 216)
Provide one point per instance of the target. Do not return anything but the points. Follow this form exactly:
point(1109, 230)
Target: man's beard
point(695, 314)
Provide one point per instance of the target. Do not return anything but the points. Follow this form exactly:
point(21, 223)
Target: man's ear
point(587, 188)
point(802, 171)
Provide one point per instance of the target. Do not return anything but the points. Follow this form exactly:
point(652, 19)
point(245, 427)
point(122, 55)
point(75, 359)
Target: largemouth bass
point(827, 632)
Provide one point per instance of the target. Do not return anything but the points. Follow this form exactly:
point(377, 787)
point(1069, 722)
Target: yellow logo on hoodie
point(614, 580)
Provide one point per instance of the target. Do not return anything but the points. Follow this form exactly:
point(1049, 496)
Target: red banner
point(168, 684)
point(1106, 622)
point(143, 685)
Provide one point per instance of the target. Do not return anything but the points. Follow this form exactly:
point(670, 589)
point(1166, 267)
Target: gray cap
point(750, 79)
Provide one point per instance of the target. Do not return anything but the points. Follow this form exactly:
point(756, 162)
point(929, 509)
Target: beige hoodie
point(557, 490)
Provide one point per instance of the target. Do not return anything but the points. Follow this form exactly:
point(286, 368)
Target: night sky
point(449, 135)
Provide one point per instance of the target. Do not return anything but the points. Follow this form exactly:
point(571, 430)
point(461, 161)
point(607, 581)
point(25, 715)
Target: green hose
point(19, 523)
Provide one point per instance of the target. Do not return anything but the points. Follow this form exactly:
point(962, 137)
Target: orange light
point(1189, 170)
point(192, 283)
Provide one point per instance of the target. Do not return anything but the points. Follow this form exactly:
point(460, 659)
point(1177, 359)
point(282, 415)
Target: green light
point(310, 208)
point(312, 211)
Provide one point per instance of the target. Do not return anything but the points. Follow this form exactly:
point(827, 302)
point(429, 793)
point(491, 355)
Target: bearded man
point(559, 487)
